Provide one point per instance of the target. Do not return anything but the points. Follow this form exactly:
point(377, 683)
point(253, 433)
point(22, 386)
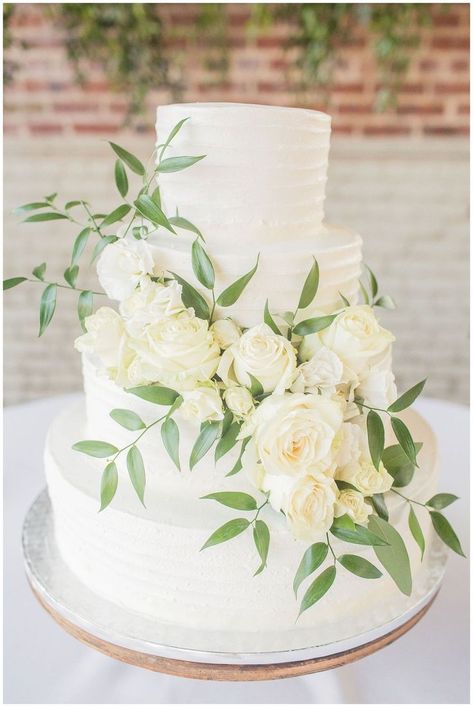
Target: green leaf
point(79, 245)
point(385, 301)
point(359, 536)
point(268, 319)
point(445, 532)
point(70, 275)
point(233, 499)
point(72, 204)
point(311, 560)
point(186, 225)
point(375, 429)
point(157, 394)
point(344, 521)
point(227, 441)
point(256, 387)
point(116, 215)
point(153, 212)
point(170, 437)
point(50, 198)
point(46, 307)
point(108, 485)
point(345, 301)
point(136, 471)
point(393, 556)
point(48, 216)
point(128, 419)
point(261, 537)
point(441, 500)
point(404, 438)
point(121, 180)
point(13, 282)
point(233, 292)
point(39, 271)
point(416, 531)
point(238, 465)
point(398, 465)
point(379, 504)
point(372, 282)
point(95, 448)
point(85, 306)
point(202, 266)
point(207, 436)
point(227, 421)
point(359, 566)
point(192, 298)
point(364, 294)
point(405, 400)
point(176, 164)
point(101, 245)
point(156, 197)
point(32, 206)
point(318, 588)
point(173, 134)
point(311, 285)
point(227, 532)
point(311, 326)
point(130, 160)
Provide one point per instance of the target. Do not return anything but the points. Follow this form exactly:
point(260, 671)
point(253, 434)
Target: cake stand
point(139, 641)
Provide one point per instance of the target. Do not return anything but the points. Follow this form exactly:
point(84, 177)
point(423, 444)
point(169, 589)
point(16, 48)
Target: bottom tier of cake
point(147, 560)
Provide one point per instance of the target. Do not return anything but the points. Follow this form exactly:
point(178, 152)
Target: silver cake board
point(137, 640)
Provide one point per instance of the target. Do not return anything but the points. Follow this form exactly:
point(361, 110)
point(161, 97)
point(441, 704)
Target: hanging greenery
point(131, 41)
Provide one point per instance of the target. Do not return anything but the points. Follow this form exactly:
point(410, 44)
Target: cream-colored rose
point(180, 350)
point(310, 507)
point(270, 358)
point(350, 443)
point(226, 332)
point(294, 433)
point(239, 400)
point(352, 503)
point(122, 265)
point(355, 336)
point(364, 476)
point(202, 404)
point(107, 340)
point(377, 386)
point(150, 302)
point(323, 371)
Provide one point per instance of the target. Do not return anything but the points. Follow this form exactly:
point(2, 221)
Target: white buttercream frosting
point(263, 178)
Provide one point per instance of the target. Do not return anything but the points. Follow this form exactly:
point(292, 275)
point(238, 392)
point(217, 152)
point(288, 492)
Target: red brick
point(446, 20)
point(73, 107)
point(450, 43)
point(93, 86)
point(45, 129)
point(85, 128)
point(464, 110)
point(355, 87)
point(420, 109)
point(386, 130)
point(270, 87)
point(460, 65)
point(452, 87)
point(355, 108)
point(342, 129)
point(427, 65)
point(270, 42)
point(279, 64)
point(445, 130)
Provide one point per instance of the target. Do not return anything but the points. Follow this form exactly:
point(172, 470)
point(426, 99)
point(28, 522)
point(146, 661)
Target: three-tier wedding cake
point(236, 395)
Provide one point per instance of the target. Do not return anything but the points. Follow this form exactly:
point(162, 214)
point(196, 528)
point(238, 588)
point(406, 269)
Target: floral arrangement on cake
point(304, 401)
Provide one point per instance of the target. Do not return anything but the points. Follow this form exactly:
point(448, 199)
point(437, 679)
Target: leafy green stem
point(409, 500)
point(64, 287)
point(132, 444)
point(331, 549)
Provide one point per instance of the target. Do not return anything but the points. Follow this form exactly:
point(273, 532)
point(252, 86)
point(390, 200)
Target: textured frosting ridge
point(263, 178)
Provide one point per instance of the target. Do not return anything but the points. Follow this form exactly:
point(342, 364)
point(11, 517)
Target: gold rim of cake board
point(217, 671)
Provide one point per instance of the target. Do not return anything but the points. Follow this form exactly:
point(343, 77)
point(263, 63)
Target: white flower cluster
point(305, 429)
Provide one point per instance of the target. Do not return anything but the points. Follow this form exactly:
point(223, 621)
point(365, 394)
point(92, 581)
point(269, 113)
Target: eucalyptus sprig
point(242, 502)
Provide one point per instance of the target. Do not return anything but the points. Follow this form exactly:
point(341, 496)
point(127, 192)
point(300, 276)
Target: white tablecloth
point(43, 664)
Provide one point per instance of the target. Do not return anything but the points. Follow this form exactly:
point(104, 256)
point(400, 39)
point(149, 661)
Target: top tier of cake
point(263, 179)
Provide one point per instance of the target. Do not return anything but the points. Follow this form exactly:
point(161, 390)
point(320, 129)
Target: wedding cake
point(237, 393)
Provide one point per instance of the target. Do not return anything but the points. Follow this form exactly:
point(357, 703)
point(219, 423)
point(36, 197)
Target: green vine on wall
point(130, 41)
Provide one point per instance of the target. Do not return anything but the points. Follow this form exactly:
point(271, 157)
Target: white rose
point(365, 477)
point(310, 507)
point(351, 441)
point(226, 332)
point(323, 371)
point(180, 350)
point(122, 265)
point(239, 400)
point(355, 336)
point(148, 303)
point(377, 386)
point(352, 503)
point(107, 340)
point(294, 433)
point(267, 356)
point(202, 404)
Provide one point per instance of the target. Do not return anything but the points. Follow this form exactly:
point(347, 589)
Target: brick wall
point(433, 100)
